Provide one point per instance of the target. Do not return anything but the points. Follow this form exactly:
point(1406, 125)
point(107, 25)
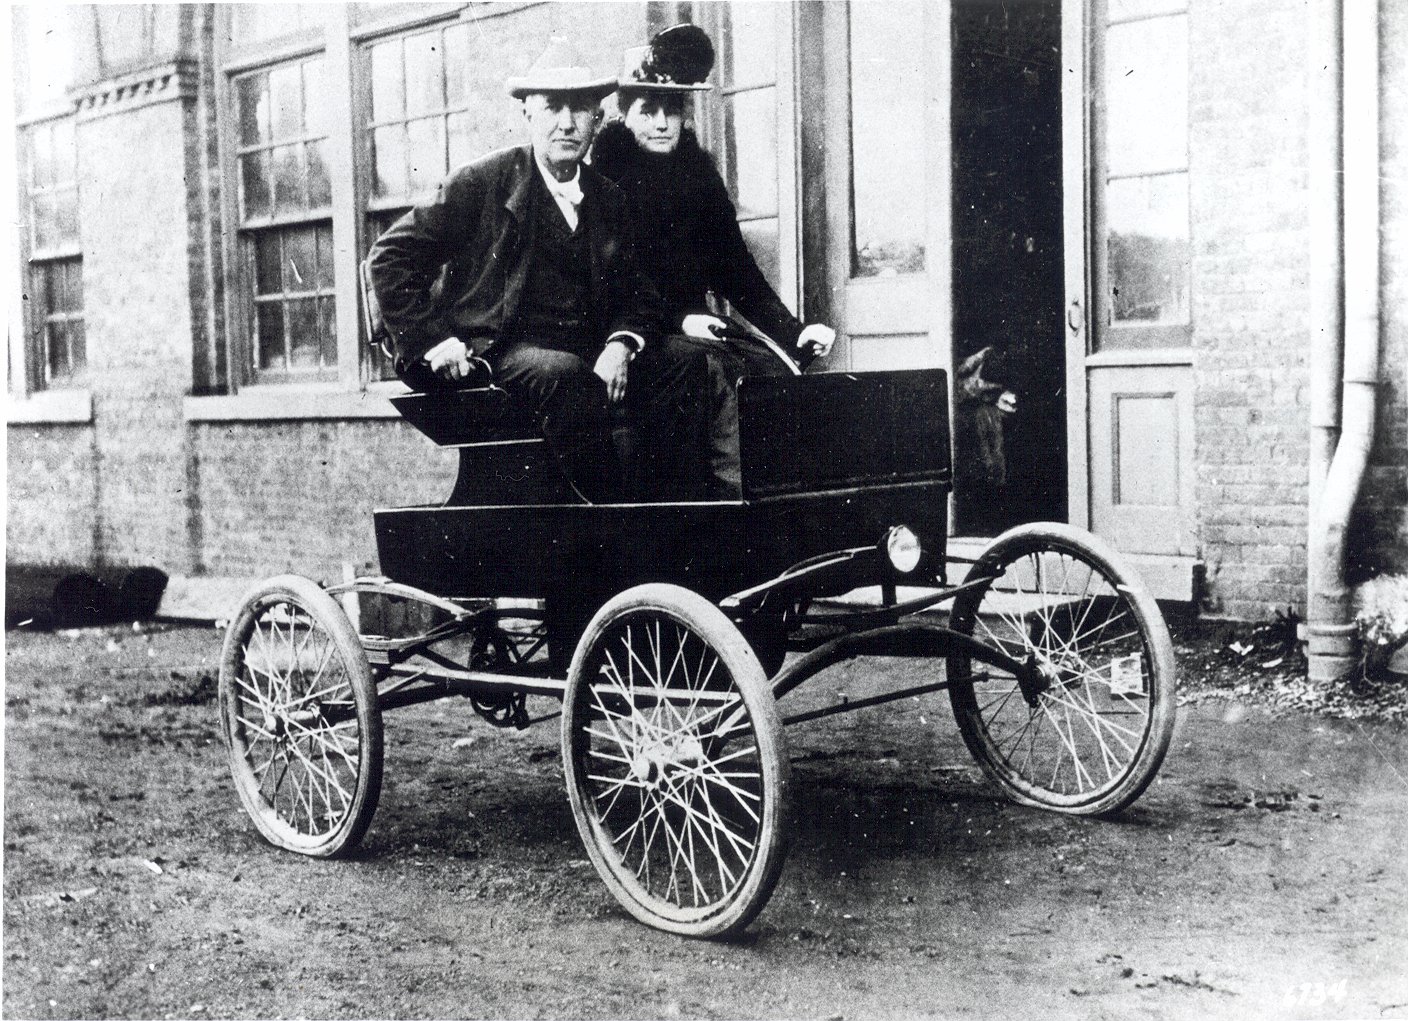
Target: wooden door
point(1128, 277)
point(883, 136)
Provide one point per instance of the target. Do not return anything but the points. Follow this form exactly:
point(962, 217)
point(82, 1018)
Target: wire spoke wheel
point(299, 715)
point(674, 759)
point(1089, 736)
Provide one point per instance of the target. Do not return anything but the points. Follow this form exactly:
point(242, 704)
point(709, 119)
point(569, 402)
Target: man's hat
point(560, 69)
point(677, 60)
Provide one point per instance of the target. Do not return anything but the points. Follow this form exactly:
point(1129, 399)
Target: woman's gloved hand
point(817, 339)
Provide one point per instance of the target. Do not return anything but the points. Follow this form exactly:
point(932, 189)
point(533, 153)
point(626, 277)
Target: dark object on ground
point(79, 600)
point(64, 597)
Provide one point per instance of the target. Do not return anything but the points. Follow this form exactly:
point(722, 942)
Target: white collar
point(569, 190)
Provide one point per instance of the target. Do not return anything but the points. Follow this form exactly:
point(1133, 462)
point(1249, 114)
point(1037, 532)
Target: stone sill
point(295, 404)
point(51, 407)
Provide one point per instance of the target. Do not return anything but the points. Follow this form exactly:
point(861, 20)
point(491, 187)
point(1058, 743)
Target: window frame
point(1109, 336)
point(344, 45)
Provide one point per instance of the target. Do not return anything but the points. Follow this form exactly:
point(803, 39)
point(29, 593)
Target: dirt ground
point(1263, 875)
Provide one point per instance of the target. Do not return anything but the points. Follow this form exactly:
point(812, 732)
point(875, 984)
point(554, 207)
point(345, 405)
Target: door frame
point(1077, 115)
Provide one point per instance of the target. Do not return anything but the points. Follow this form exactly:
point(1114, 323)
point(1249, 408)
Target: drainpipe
point(1333, 646)
point(1324, 29)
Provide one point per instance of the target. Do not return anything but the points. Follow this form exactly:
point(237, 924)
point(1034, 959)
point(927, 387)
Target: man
point(523, 257)
point(690, 241)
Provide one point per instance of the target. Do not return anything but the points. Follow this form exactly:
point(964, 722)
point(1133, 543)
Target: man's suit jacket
point(478, 231)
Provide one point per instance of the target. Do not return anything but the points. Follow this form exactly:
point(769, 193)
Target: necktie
point(568, 195)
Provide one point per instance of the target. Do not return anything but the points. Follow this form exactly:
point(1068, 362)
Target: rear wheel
point(675, 767)
point(299, 716)
point(1089, 736)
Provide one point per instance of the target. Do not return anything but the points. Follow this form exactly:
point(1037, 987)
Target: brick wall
point(1251, 308)
point(298, 496)
point(52, 495)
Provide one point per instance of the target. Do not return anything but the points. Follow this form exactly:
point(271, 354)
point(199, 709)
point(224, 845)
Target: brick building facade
point(189, 387)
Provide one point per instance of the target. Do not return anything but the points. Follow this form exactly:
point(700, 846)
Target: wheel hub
point(660, 760)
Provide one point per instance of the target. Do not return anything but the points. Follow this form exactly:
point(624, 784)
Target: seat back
point(378, 336)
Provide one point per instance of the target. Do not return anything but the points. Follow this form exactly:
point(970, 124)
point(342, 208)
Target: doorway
point(1009, 343)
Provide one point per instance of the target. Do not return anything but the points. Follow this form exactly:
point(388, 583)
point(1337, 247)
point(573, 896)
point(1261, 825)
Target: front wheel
point(299, 715)
point(675, 766)
point(1089, 734)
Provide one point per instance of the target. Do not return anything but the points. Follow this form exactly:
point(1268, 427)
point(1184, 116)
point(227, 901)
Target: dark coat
point(477, 230)
point(688, 234)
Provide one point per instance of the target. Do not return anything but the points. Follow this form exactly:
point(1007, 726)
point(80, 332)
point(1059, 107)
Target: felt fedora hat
point(560, 69)
point(676, 60)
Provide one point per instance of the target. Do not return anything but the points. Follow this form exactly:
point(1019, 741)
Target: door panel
point(1128, 243)
point(1141, 471)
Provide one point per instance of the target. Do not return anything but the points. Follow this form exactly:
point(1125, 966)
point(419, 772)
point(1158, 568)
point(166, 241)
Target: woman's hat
point(677, 60)
point(560, 69)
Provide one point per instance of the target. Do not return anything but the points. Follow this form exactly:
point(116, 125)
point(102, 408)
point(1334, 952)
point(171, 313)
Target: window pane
point(73, 291)
point(389, 159)
point(761, 236)
point(41, 158)
point(751, 124)
point(300, 260)
point(887, 163)
point(319, 183)
point(286, 102)
point(254, 185)
point(425, 86)
point(750, 48)
point(324, 280)
point(57, 340)
point(77, 345)
point(66, 212)
point(56, 274)
point(289, 193)
point(303, 334)
point(1146, 82)
point(327, 330)
point(269, 338)
point(253, 102)
point(44, 208)
point(1148, 249)
point(460, 140)
point(456, 65)
point(427, 153)
point(388, 95)
point(268, 276)
point(314, 98)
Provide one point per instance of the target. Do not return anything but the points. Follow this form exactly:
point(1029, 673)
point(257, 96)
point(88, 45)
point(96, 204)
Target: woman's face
point(656, 119)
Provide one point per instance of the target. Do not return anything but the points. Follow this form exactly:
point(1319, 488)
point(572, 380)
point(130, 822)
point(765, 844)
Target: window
point(58, 349)
point(748, 76)
point(1143, 257)
point(285, 209)
point(55, 347)
point(887, 139)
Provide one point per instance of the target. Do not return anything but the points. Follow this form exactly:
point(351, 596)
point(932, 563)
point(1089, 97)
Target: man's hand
point(817, 339)
point(449, 359)
point(612, 367)
point(1007, 402)
point(702, 327)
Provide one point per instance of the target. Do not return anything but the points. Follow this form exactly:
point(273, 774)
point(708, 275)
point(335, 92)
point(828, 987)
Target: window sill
point(51, 407)
point(295, 403)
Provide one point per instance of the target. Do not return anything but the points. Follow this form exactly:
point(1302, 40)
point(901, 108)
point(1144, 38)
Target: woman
point(688, 235)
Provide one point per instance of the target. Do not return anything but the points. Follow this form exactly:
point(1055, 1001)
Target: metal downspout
point(1325, 30)
point(1333, 648)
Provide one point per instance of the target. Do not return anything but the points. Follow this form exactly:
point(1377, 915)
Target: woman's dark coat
point(688, 239)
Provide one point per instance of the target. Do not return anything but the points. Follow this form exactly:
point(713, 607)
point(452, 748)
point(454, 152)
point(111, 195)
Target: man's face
point(656, 120)
point(561, 125)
